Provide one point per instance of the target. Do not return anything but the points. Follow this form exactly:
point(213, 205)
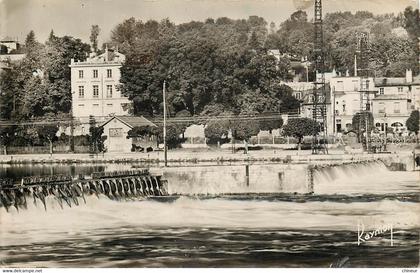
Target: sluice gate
point(69, 190)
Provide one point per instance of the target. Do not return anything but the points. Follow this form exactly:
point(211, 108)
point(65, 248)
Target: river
point(215, 218)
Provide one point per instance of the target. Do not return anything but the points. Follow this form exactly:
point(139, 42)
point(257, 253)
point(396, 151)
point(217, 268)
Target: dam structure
point(67, 189)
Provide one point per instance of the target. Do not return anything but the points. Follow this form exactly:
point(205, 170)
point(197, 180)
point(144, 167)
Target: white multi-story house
point(346, 95)
point(95, 87)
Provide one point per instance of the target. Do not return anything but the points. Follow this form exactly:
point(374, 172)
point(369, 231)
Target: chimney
point(409, 76)
point(106, 52)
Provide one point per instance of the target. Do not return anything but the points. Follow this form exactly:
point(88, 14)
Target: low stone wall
point(46, 149)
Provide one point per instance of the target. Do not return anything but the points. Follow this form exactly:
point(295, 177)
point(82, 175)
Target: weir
point(313, 168)
point(68, 190)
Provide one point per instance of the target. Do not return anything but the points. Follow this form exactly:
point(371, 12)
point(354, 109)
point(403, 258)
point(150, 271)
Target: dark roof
point(132, 121)
point(391, 82)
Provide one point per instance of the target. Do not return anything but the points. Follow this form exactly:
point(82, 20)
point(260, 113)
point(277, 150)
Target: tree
point(35, 100)
point(412, 123)
point(412, 22)
point(300, 127)
point(140, 131)
point(95, 136)
point(7, 135)
point(51, 37)
point(216, 131)
point(10, 91)
point(184, 120)
point(243, 128)
point(254, 43)
point(173, 133)
point(267, 123)
point(30, 40)
point(59, 53)
point(48, 132)
point(94, 33)
point(363, 123)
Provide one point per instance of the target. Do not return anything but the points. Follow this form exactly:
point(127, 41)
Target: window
point(95, 73)
point(109, 104)
point(298, 95)
point(381, 91)
point(109, 73)
point(381, 108)
point(400, 89)
point(95, 105)
point(81, 92)
point(396, 107)
point(81, 105)
point(310, 99)
point(340, 86)
point(80, 74)
point(95, 91)
point(109, 91)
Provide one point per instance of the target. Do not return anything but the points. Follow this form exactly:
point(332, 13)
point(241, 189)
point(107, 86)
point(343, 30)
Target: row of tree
point(39, 85)
point(222, 65)
point(218, 130)
point(45, 132)
point(227, 127)
point(393, 39)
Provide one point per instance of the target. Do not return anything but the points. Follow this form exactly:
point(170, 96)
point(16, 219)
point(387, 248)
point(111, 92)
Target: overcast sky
point(74, 17)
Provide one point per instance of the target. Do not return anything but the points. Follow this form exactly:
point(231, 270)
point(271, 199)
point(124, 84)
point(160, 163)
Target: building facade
point(395, 100)
point(95, 87)
point(116, 131)
point(346, 96)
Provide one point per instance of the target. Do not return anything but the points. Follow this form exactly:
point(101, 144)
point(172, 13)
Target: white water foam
point(372, 178)
point(36, 225)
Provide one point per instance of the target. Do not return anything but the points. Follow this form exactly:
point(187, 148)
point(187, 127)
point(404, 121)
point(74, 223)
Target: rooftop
point(108, 57)
point(132, 121)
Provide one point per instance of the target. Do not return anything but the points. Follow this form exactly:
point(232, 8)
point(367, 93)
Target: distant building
point(116, 131)
point(303, 92)
point(395, 100)
point(346, 95)
point(11, 45)
point(95, 87)
point(10, 51)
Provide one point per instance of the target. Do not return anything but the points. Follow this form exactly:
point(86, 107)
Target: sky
point(75, 17)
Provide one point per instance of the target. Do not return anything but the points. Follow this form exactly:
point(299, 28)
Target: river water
point(215, 218)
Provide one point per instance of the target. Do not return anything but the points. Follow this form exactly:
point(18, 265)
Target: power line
point(194, 119)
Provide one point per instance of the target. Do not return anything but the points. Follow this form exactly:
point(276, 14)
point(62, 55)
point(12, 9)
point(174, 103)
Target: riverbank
point(196, 156)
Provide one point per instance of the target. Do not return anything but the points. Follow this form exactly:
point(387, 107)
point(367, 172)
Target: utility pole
point(319, 93)
point(385, 141)
point(165, 148)
point(364, 73)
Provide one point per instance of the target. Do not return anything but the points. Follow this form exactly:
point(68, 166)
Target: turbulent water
point(216, 218)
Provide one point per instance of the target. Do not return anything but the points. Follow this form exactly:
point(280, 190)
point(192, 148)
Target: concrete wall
point(232, 179)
